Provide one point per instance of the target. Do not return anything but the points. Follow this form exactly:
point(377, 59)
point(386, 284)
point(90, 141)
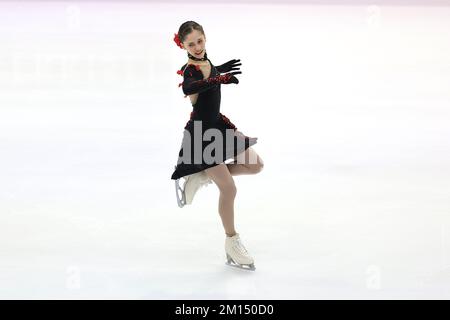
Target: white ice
point(351, 105)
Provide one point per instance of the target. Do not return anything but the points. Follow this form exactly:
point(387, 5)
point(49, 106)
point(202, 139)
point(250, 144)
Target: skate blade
point(181, 197)
point(230, 262)
point(249, 267)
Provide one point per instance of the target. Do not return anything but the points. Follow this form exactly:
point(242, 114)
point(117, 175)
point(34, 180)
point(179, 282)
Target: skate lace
point(241, 247)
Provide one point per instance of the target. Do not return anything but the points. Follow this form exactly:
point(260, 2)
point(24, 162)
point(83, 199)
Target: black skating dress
point(206, 113)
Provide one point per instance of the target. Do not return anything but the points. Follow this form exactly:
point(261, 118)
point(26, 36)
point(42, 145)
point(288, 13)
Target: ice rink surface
point(351, 107)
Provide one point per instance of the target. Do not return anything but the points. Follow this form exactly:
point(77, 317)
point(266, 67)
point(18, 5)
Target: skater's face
point(194, 43)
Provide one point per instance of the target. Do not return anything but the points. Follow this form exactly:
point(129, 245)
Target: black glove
point(229, 66)
point(194, 82)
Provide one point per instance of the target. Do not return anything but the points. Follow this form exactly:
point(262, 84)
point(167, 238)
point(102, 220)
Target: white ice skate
point(192, 183)
point(237, 254)
point(181, 197)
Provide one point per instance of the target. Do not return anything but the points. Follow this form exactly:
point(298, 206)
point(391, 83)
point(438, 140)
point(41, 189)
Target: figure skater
point(201, 82)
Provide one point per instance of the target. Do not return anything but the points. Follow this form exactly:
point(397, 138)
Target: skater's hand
point(229, 66)
point(230, 78)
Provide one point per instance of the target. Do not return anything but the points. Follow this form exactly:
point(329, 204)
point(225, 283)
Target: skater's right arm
point(194, 83)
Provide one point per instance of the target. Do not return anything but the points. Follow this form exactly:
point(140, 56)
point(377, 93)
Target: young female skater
point(201, 82)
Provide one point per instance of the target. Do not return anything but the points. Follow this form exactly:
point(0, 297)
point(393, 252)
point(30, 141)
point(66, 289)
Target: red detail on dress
point(227, 121)
point(222, 78)
point(197, 67)
point(180, 72)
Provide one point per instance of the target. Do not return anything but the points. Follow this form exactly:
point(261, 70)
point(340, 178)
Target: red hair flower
point(177, 40)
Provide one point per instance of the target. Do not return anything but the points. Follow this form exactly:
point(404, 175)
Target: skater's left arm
point(194, 83)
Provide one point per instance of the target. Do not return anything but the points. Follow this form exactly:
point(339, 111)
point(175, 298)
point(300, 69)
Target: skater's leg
point(247, 162)
point(224, 181)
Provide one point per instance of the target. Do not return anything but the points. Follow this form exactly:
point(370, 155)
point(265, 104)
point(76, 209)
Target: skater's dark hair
point(187, 27)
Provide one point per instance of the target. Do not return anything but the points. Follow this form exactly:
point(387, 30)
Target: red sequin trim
point(197, 67)
point(227, 121)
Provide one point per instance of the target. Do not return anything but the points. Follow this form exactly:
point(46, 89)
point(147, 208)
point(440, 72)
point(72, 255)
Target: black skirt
point(200, 151)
